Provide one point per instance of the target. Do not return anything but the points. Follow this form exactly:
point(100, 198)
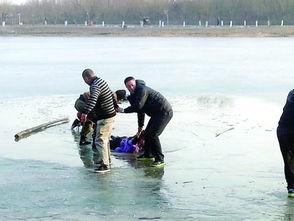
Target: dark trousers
point(286, 141)
point(154, 128)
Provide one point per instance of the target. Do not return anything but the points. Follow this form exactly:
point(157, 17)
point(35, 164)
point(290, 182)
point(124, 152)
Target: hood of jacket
point(140, 84)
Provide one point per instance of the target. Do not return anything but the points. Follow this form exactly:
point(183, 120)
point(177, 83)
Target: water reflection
point(289, 210)
point(131, 189)
point(86, 155)
point(85, 151)
point(130, 186)
point(154, 172)
point(76, 135)
point(146, 166)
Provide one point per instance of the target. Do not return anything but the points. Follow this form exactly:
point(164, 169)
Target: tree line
point(172, 12)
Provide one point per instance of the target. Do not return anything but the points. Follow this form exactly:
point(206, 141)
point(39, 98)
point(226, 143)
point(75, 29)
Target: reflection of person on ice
point(285, 132)
point(145, 100)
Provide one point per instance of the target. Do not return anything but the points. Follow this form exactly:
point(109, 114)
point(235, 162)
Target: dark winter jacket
point(146, 100)
point(287, 118)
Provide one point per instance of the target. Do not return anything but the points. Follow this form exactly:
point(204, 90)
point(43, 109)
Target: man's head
point(130, 83)
point(120, 95)
point(88, 75)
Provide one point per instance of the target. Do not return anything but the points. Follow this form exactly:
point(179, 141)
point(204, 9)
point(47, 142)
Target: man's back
point(101, 99)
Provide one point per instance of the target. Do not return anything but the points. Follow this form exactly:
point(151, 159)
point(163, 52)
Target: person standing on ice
point(101, 100)
point(285, 133)
point(145, 100)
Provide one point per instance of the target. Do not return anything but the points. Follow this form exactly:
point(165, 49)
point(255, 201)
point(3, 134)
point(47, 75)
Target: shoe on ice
point(290, 192)
point(145, 158)
point(158, 164)
point(102, 169)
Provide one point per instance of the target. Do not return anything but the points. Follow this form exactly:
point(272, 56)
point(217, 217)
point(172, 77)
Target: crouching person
point(88, 125)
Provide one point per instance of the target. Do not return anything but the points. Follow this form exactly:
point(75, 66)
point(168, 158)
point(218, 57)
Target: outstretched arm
point(140, 98)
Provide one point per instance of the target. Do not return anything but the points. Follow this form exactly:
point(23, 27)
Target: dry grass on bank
point(173, 31)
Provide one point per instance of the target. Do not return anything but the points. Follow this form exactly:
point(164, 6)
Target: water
point(222, 155)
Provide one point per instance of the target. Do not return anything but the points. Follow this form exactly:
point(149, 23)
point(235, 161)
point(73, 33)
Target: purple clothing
point(127, 146)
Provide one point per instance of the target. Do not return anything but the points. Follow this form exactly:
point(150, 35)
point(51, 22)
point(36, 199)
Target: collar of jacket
point(93, 80)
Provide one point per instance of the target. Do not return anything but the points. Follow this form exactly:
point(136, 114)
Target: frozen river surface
point(222, 155)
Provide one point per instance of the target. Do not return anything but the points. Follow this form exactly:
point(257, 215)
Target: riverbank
point(150, 31)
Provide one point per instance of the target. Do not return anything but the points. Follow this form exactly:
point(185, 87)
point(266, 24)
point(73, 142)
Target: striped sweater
point(101, 100)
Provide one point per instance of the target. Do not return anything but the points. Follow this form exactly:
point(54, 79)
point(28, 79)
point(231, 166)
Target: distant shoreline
point(149, 31)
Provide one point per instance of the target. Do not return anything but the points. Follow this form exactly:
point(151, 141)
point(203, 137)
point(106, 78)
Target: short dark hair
point(121, 94)
point(129, 79)
point(87, 73)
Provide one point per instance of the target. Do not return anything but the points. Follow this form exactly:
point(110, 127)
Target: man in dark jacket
point(145, 100)
point(101, 100)
point(285, 132)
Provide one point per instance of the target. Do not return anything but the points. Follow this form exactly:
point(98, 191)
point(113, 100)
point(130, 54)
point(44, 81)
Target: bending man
point(145, 100)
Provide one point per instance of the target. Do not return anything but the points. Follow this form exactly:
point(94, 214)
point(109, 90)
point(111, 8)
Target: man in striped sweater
point(102, 103)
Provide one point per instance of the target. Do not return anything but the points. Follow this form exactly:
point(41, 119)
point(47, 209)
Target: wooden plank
point(41, 127)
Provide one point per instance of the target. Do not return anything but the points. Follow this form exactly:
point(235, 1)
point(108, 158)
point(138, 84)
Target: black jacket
point(287, 117)
point(146, 100)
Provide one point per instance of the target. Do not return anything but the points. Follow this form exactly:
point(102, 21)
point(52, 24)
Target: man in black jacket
point(285, 132)
point(145, 100)
point(101, 102)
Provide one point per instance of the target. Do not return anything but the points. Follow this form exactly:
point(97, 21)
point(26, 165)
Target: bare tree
point(132, 11)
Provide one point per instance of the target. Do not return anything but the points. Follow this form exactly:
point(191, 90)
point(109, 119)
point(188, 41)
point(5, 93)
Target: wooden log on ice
point(30, 131)
point(217, 134)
